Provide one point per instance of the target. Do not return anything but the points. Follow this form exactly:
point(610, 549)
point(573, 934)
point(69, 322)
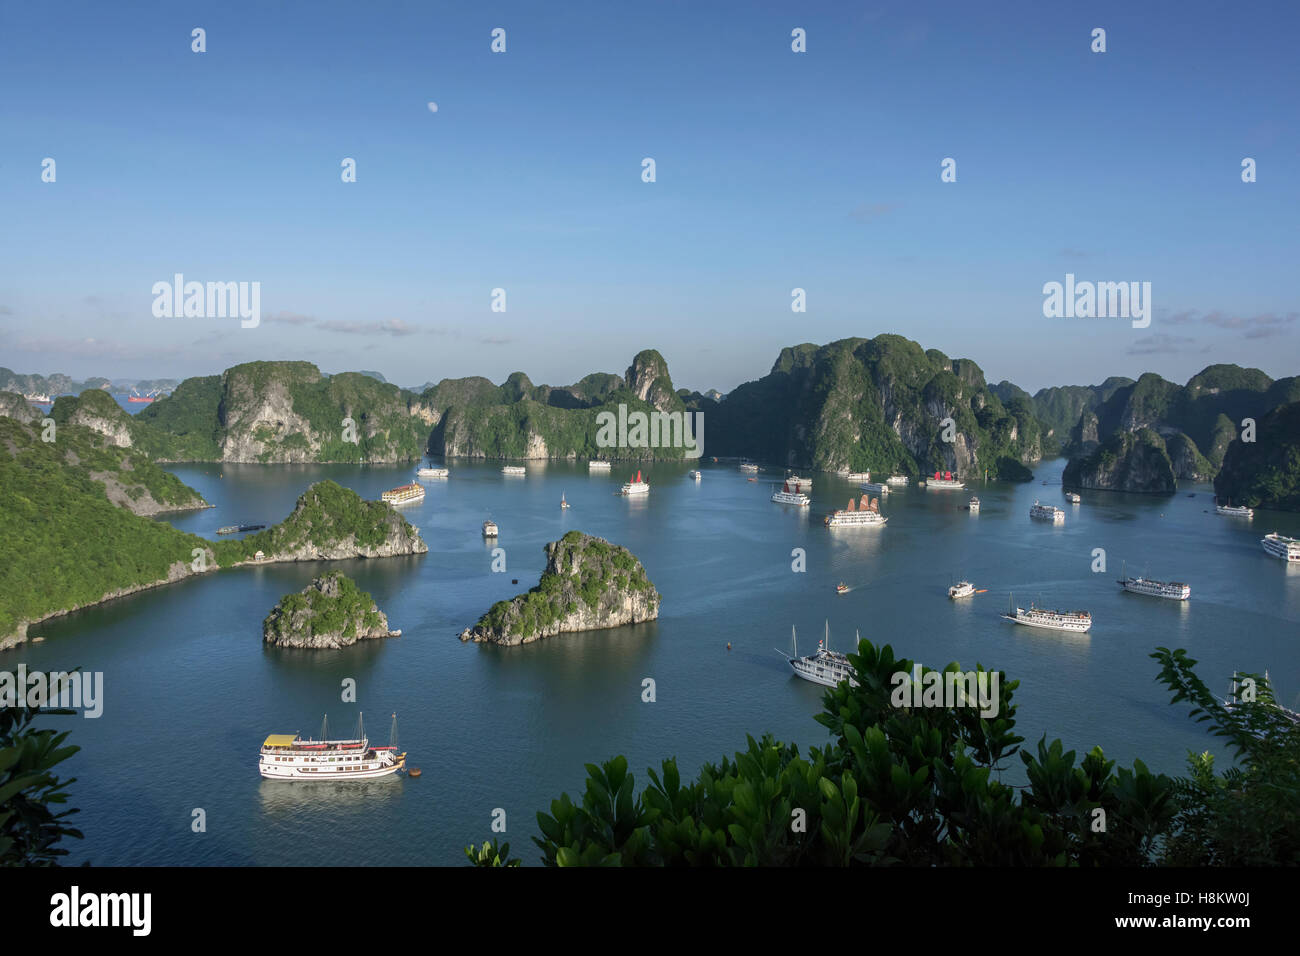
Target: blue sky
point(775, 170)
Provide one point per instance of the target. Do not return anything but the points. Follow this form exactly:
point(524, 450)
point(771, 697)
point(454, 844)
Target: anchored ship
point(403, 494)
point(797, 481)
point(1174, 590)
point(1048, 618)
point(961, 589)
point(1047, 513)
point(1280, 546)
point(866, 513)
point(516, 470)
point(1239, 511)
point(826, 667)
point(290, 757)
point(39, 399)
point(490, 529)
point(1072, 497)
point(787, 497)
point(974, 505)
point(749, 466)
point(635, 487)
point(149, 396)
point(597, 465)
point(948, 481)
point(854, 475)
point(432, 472)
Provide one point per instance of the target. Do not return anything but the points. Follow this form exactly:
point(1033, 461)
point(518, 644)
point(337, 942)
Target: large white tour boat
point(796, 481)
point(1234, 511)
point(961, 589)
point(899, 481)
point(787, 497)
point(874, 488)
point(291, 757)
point(1280, 546)
point(826, 667)
point(635, 487)
point(1174, 590)
point(854, 475)
point(1073, 497)
point(597, 465)
point(949, 481)
point(749, 466)
point(517, 471)
point(432, 472)
point(1048, 618)
point(1047, 513)
point(403, 494)
point(490, 529)
point(866, 514)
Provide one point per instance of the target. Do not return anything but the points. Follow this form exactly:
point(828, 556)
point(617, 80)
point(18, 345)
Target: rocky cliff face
point(96, 410)
point(648, 379)
point(1127, 461)
point(13, 405)
point(331, 612)
point(588, 584)
point(1265, 473)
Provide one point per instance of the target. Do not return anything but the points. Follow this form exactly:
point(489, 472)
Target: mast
point(361, 727)
point(324, 727)
point(794, 642)
point(392, 733)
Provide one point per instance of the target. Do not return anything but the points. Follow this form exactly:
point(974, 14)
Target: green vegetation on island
point(330, 612)
point(1265, 473)
point(588, 584)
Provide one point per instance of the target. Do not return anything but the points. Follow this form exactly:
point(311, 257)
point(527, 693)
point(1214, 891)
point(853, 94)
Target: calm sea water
point(191, 691)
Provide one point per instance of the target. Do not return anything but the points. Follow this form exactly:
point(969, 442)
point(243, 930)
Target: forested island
point(331, 612)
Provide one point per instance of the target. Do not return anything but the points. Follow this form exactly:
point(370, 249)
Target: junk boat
point(403, 494)
point(1238, 511)
point(1280, 546)
point(1047, 513)
point(431, 472)
point(961, 589)
point(787, 497)
point(806, 483)
point(826, 667)
point(636, 487)
point(1048, 618)
point(948, 481)
point(290, 757)
point(1231, 702)
point(1174, 590)
point(867, 513)
point(490, 528)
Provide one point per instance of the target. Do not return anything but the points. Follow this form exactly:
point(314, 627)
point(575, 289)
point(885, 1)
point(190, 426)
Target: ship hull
point(1047, 625)
point(809, 673)
point(1131, 588)
point(328, 774)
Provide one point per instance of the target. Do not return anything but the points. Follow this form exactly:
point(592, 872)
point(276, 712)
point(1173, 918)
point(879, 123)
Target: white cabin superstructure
point(900, 481)
point(597, 465)
point(787, 496)
point(961, 589)
point(636, 487)
point(1233, 511)
point(865, 514)
point(432, 473)
point(291, 757)
point(1052, 619)
point(974, 506)
point(1047, 513)
point(1280, 546)
point(1174, 590)
point(826, 667)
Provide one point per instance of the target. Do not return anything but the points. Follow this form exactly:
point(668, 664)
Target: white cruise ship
point(695, 475)
point(1280, 546)
point(749, 466)
point(796, 481)
point(1047, 513)
point(900, 481)
point(517, 471)
point(787, 497)
point(961, 589)
point(974, 506)
point(431, 472)
point(403, 494)
point(1051, 619)
point(947, 482)
point(490, 529)
point(854, 475)
point(874, 488)
point(866, 514)
point(826, 667)
point(597, 465)
point(290, 757)
point(635, 488)
point(1174, 590)
point(1237, 511)
point(1073, 497)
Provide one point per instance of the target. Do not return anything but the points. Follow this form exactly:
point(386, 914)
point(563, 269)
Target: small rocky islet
point(588, 584)
point(331, 612)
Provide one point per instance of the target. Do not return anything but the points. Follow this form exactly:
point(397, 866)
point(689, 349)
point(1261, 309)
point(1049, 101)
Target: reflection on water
point(279, 797)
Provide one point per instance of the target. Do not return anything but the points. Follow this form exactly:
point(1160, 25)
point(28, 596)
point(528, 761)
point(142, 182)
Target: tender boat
point(825, 667)
point(290, 757)
point(961, 589)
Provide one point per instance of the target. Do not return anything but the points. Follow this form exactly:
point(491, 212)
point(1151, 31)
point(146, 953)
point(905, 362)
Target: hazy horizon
point(775, 171)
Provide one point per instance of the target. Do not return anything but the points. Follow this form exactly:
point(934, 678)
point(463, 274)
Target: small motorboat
point(563, 503)
point(841, 588)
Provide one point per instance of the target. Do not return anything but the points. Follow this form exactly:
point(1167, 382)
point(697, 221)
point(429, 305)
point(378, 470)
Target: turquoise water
point(191, 692)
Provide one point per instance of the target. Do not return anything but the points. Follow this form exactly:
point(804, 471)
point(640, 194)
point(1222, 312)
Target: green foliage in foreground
point(29, 789)
point(921, 787)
